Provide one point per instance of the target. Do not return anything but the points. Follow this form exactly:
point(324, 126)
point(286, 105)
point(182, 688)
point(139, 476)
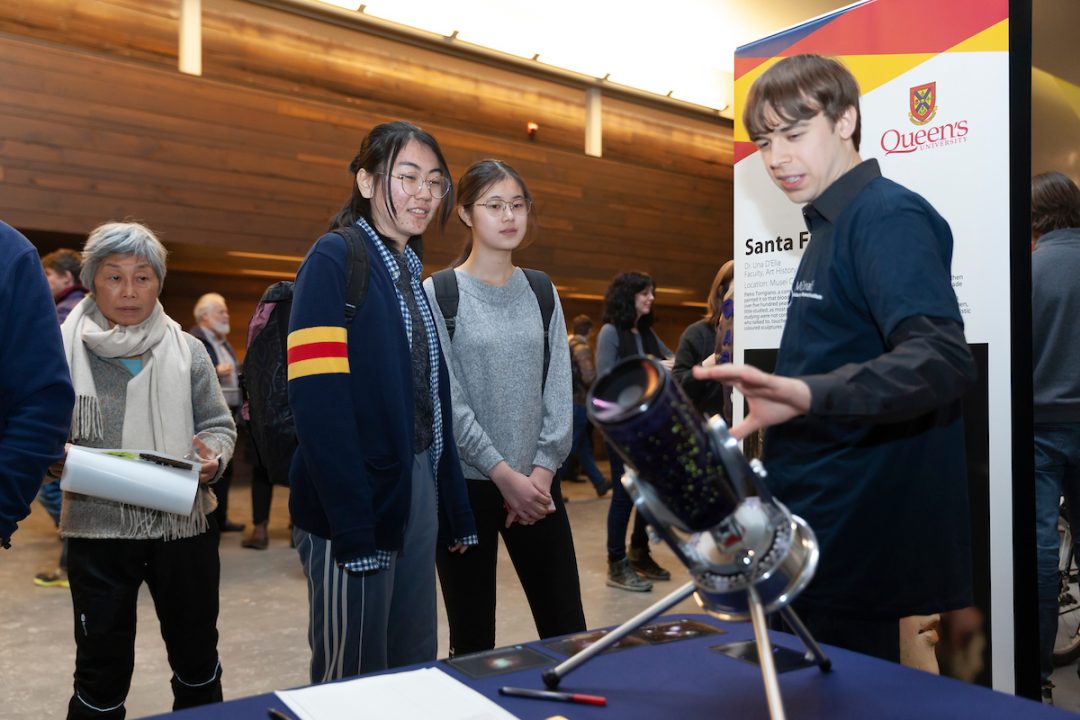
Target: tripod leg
point(552, 676)
point(765, 656)
point(812, 648)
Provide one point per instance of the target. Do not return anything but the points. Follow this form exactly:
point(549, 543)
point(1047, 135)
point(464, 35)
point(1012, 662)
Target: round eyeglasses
point(411, 184)
point(498, 207)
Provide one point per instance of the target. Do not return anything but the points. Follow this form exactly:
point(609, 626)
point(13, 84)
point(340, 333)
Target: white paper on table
point(413, 695)
point(123, 476)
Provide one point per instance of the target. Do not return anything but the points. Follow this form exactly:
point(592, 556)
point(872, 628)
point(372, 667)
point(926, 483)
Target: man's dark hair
point(798, 88)
point(1055, 203)
point(62, 261)
point(581, 324)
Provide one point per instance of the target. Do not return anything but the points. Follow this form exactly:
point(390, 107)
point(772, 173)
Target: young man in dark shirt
point(865, 437)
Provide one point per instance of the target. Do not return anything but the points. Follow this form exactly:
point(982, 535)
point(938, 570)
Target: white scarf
point(158, 414)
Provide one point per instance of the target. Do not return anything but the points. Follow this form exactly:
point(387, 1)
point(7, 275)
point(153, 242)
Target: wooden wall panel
point(256, 46)
point(142, 29)
point(97, 124)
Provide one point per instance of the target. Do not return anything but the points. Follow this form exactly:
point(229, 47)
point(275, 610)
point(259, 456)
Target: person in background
point(513, 425)
point(62, 268)
point(583, 376)
point(212, 329)
point(627, 331)
point(141, 384)
point(62, 271)
point(699, 346)
point(375, 482)
point(864, 411)
point(1055, 334)
point(35, 387)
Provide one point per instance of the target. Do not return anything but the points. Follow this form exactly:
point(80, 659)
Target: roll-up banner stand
point(941, 116)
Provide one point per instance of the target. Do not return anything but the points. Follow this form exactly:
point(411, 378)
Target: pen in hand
point(554, 695)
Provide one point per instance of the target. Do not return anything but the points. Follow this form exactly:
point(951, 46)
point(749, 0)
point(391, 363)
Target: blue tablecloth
point(686, 680)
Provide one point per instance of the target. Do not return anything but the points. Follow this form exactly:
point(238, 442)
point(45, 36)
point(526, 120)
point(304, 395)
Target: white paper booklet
point(414, 695)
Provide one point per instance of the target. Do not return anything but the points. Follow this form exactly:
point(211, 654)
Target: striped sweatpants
point(364, 623)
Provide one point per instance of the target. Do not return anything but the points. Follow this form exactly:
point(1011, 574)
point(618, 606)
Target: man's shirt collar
point(831, 203)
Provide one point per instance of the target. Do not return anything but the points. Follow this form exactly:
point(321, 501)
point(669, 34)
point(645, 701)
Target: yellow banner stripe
point(993, 39)
point(318, 366)
point(324, 333)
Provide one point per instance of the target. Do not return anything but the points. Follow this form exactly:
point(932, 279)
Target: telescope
point(748, 556)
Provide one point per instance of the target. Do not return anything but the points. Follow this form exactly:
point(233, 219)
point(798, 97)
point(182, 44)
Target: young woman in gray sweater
point(513, 427)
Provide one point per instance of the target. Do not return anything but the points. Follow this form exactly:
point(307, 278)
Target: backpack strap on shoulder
point(357, 280)
point(446, 294)
point(545, 295)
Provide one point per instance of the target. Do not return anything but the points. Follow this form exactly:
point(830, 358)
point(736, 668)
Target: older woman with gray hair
point(141, 383)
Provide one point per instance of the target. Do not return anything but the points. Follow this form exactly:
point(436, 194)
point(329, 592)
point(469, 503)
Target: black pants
point(619, 514)
point(221, 491)
point(183, 577)
point(262, 492)
point(221, 487)
point(543, 556)
point(877, 638)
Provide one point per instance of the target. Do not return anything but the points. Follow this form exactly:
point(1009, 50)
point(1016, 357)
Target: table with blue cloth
point(687, 680)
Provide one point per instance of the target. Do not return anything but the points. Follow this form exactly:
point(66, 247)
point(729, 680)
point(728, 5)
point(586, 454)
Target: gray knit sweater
point(89, 517)
point(496, 364)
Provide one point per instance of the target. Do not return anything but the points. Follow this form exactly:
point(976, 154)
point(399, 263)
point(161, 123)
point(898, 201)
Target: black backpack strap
point(545, 295)
point(446, 294)
point(357, 281)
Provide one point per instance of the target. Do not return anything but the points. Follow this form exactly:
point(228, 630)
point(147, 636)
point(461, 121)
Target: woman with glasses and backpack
point(510, 378)
point(375, 482)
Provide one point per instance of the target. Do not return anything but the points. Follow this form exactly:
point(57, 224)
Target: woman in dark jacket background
point(707, 342)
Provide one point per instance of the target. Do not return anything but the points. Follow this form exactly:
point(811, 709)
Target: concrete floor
point(263, 621)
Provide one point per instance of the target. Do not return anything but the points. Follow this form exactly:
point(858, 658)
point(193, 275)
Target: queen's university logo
point(923, 103)
point(317, 351)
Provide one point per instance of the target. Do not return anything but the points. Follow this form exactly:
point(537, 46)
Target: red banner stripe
point(311, 351)
point(884, 27)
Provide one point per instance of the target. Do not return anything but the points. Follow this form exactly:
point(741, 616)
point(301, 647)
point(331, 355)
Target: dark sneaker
point(643, 564)
point(603, 488)
point(1048, 693)
point(52, 578)
point(621, 575)
point(258, 539)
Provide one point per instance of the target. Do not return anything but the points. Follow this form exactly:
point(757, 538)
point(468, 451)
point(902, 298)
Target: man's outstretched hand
point(773, 399)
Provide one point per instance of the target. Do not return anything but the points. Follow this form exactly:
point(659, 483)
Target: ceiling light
point(268, 273)
point(347, 4)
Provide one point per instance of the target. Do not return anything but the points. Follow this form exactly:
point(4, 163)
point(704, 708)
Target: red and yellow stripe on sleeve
point(317, 351)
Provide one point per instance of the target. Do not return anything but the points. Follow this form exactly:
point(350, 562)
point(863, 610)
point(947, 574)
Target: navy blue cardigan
point(351, 393)
point(35, 386)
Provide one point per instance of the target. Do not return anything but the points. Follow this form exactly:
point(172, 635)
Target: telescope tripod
point(554, 675)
